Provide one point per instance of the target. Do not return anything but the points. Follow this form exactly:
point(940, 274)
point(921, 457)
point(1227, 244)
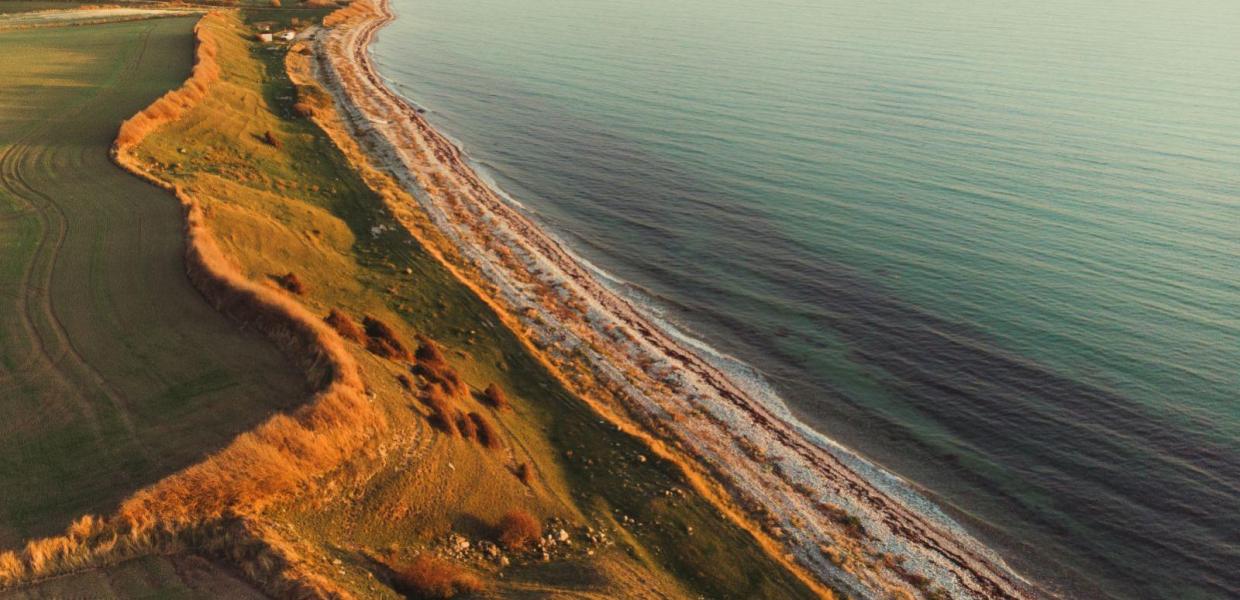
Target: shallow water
point(993, 246)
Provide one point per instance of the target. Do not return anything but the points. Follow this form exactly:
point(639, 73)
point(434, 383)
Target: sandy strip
point(605, 347)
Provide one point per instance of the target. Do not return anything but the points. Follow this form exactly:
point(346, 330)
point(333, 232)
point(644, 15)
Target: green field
point(113, 370)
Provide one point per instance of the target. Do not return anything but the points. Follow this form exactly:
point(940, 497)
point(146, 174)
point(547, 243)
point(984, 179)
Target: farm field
point(113, 370)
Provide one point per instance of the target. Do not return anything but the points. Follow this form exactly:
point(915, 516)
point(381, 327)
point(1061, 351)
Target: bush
point(495, 397)
point(432, 578)
point(405, 382)
point(441, 416)
point(488, 436)
point(429, 352)
point(272, 140)
point(303, 109)
point(291, 282)
point(517, 530)
point(345, 326)
point(383, 340)
point(466, 426)
point(524, 473)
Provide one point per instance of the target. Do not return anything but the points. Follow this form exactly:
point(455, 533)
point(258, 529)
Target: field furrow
point(113, 370)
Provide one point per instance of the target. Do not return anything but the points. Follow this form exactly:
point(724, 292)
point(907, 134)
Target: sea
point(990, 245)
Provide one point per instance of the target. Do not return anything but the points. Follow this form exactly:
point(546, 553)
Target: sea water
point(993, 246)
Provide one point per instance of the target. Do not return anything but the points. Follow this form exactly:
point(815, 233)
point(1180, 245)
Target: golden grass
point(172, 105)
point(517, 530)
point(431, 578)
point(345, 326)
point(495, 397)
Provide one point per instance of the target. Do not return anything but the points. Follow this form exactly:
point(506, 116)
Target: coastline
point(752, 459)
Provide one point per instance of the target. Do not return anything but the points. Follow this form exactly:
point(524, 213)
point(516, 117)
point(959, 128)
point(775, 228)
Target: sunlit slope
point(113, 370)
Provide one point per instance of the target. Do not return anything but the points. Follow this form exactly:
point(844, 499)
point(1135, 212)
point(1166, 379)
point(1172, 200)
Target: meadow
point(113, 370)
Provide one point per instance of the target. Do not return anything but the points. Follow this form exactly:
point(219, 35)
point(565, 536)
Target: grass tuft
point(495, 397)
point(430, 578)
point(517, 530)
point(345, 326)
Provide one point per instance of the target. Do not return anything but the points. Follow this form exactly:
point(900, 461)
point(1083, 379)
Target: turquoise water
point(994, 246)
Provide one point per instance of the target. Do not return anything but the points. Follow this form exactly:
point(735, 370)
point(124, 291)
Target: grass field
point(113, 370)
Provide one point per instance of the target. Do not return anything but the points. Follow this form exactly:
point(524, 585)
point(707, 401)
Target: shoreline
point(609, 352)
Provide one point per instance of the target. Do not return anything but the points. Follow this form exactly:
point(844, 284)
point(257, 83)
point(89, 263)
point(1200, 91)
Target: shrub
point(432, 578)
point(405, 381)
point(429, 352)
point(495, 397)
point(466, 426)
point(517, 530)
point(383, 340)
point(487, 434)
point(291, 282)
point(272, 140)
point(524, 473)
point(303, 109)
point(345, 326)
point(441, 416)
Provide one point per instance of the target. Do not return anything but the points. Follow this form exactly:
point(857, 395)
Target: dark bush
point(345, 326)
point(431, 578)
point(518, 529)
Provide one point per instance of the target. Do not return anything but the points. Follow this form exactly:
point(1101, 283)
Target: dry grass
point(430, 578)
point(291, 282)
point(517, 530)
point(441, 416)
point(345, 326)
point(488, 436)
point(466, 425)
point(172, 105)
point(383, 340)
point(495, 397)
point(429, 352)
point(524, 473)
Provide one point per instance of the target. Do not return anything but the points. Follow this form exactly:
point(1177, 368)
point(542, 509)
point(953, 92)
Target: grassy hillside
point(113, 370)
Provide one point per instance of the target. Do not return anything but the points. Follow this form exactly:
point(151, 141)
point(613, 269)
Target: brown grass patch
point(383, 340)
point(495, 397)
point(291, 282)
point(517, 530)
point(429, 352)
point(431, 578)
point(466, 425)
point(487, 434)
point(442, 414)
point(345, 326)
